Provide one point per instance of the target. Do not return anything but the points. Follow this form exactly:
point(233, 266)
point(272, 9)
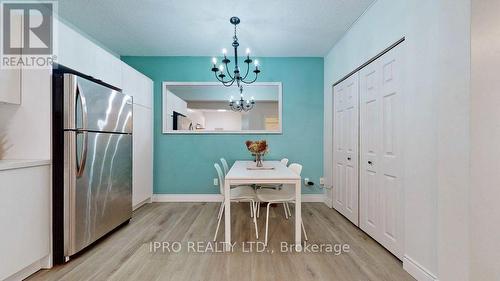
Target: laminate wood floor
point(127, 254)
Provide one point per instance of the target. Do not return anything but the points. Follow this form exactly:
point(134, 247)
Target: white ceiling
point(201, 27)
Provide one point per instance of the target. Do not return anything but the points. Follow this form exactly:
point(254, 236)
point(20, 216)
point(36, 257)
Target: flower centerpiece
point(257, 148)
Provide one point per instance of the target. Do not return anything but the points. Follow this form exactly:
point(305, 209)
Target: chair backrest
point(284, 161)
point(224, 166)
point(296, 168)
point(221, 178)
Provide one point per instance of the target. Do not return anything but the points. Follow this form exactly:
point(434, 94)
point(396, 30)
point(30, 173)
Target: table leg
point(298, 215)
point(227, 211)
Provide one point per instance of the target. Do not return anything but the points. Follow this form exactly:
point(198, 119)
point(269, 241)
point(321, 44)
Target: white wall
point(227, 121)
point(485, 139)
point(436, 122)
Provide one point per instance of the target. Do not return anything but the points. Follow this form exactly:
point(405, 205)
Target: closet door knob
point(349, 158)
point(370, 163)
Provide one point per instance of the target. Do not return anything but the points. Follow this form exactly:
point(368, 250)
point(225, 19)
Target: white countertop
point(17, 164)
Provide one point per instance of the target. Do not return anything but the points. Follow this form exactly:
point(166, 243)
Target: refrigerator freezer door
point(93, 107)
point(99, 181)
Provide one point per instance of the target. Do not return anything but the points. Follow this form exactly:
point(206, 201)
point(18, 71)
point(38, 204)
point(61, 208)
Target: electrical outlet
point(306, 180)
point(216, 181)
point(322, 181)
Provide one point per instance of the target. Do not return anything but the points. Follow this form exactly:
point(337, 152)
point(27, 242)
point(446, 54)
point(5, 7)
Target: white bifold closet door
point(381, 111)
point(346, 143)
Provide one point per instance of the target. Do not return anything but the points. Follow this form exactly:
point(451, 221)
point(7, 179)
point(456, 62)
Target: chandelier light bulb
point(221, 68)
point(224, 51)
point(256, 63)
point(248, 51)
point(214, 60)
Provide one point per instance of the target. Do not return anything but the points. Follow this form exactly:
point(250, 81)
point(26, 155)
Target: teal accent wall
point(183, 164)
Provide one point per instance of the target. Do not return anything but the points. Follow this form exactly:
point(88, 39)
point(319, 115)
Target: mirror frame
point(256, 132)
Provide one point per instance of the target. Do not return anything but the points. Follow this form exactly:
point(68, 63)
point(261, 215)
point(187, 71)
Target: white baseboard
point(417, 271)
point(140, 204)
point(29, 270)
point(328, 201)
point(218, 198)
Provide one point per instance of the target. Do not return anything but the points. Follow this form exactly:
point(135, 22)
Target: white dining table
point(279, 174)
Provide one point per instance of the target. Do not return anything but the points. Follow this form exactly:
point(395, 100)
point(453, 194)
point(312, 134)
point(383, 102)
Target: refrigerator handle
point(80, 167)
point(83, 103)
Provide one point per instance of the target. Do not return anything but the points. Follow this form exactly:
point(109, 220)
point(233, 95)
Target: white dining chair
point(225, 166)
point(283, 161)
point(238, 194)
point(284, 195)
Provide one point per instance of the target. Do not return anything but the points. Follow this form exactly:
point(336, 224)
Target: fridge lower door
point(98, 181)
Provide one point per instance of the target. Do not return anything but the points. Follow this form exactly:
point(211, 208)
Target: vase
point(258, 159)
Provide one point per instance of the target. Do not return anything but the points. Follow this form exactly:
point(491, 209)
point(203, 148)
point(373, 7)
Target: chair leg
point(284, 208)
point(288, 208)
point(255, 221)
point(267, 223)
point(258, 209)
point(251, 209)
point(304, 230)
point(221, 211)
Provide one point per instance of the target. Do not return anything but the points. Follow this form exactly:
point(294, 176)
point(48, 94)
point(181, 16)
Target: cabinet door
point(345, 151)
point(142, 183)
point(137, 85)
point(25, 218)
point(10, 79)
point(75, 51)
point(107, 67)
point(381, 209)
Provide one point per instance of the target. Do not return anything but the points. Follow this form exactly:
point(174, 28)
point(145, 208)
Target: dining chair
point(283, 161)
point(284, 195)
point(238, 194)
point(225, 166)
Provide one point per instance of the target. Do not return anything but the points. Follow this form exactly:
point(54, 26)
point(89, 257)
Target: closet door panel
point(380, 151)
point(346, 143)
point(391, 182)
point(369, 150)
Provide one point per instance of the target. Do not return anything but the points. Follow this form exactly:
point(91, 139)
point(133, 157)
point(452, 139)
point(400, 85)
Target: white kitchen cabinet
point(138, 86)
point(142, 180)
point(81, 54)
point(108, 68)
point(10, 79)
point(25, 217)
point(75, 51)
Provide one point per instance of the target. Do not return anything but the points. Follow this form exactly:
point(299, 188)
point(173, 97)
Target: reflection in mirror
point(205, 108)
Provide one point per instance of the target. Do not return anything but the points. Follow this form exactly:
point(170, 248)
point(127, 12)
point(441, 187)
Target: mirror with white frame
point(209, 107)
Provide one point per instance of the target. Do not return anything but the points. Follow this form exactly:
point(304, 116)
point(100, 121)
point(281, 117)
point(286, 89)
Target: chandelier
point(241, 104)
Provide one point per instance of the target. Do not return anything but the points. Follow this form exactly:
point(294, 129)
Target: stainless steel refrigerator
point(94, 162)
